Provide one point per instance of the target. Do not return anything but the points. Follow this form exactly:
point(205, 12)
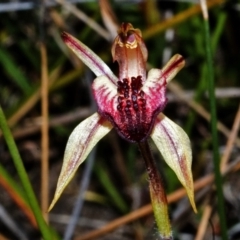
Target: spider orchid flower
point(132, 104)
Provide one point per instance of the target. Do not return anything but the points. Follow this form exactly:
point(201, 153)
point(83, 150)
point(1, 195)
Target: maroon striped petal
point(173, 66)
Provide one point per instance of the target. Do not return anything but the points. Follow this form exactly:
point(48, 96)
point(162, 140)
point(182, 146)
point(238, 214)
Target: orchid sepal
point(172, 67)
point(81, 141)
point(130, 52)
point(175, 147)
point(95, 63)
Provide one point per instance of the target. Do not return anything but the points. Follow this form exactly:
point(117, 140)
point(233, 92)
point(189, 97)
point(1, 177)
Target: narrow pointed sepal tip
point(191, 199)
point(52, 204)
point(56, 197)
point(64, 35)
point(173, 66)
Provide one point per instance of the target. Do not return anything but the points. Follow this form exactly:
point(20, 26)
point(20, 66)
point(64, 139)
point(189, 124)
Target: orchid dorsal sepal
point(130, 52)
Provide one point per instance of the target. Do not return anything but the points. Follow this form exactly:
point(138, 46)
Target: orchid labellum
point(132, 104)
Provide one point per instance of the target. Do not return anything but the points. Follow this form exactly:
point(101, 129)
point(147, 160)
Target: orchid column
point(133, 105)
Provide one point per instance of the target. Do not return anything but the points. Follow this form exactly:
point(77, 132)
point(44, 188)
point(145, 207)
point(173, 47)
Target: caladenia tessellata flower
point(133, 105)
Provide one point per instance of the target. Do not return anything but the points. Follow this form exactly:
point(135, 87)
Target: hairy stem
point(157, 193)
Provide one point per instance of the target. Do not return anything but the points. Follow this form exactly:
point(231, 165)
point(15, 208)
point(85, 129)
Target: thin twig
point(231, 140)
point(31, 101)
point(45, 137)
point(80, 198)
point(227, 92)
point(45, 125)
point(13, 6)
point(19, 201)
point(3, 238)
point(73, 116)
point(82, 16)
point(204, 222)
point(109, 18)
point(11, 224)
point(177, 19)
point(176, 89)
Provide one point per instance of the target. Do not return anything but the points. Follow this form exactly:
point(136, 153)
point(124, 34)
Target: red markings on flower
point(131, 110)
point(128, 36)
point(131, 97)
point(132, 121)
point(174, 65)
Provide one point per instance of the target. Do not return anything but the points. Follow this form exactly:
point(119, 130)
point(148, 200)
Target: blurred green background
point(118, 181)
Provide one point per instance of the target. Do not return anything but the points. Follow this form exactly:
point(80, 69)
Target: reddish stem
point(158, 196)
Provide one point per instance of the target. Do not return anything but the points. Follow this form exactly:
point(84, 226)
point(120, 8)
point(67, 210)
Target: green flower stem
point(157, 193)
point(216, 156)
point(45, 230)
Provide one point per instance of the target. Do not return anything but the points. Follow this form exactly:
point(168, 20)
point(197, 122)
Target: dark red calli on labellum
point(133, 110)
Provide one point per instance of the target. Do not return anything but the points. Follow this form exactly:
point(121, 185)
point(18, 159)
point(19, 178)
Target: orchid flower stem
point(216, 156)
point(157, 193)
point(45, 230)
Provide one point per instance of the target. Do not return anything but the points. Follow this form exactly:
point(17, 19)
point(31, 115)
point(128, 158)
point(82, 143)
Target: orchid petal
point(173, 66)
point(106, 96)
point(105, 93)
point(88, 57)
point(81, 141)
point(155, 89)
point(174, 145)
